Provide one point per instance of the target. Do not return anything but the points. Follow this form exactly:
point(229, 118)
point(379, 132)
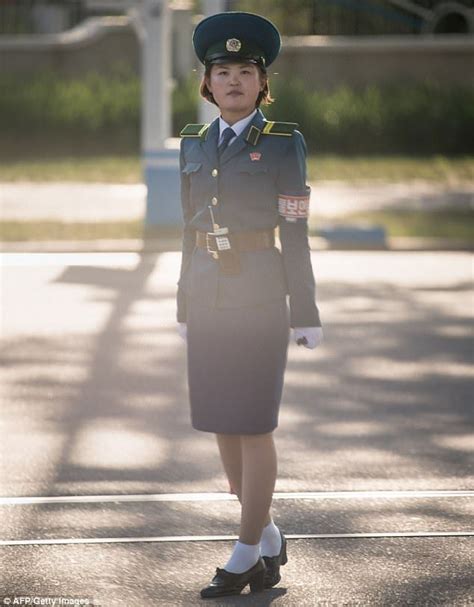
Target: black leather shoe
point(272, 574)
point(226, 582)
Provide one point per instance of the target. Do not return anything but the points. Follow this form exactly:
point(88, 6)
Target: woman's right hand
point(182, 330)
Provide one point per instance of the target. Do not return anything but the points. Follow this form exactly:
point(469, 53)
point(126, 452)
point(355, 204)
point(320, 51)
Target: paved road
point(113, 202)
point(95, 404)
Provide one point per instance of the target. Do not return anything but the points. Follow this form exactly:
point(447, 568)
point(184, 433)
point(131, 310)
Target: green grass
point(105, 169)
point(455, 225)
point(406, 117)
point(127, 169)
point(439, 169)
point(57, 230)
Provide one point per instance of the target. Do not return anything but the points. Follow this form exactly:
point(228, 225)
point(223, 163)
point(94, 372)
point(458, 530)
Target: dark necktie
point(226, 137)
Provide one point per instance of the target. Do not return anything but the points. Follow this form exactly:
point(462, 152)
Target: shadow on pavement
point(386, 405)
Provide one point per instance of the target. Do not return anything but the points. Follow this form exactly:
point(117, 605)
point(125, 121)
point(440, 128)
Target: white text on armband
point(293, 208)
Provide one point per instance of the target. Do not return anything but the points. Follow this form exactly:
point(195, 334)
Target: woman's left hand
point(182, 330)
point(310, 337)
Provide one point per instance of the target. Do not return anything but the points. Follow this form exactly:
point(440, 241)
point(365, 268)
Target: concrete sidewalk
point(330, 200)
point(75, 202)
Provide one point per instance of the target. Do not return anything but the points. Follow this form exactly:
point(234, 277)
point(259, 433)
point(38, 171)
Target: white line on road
point(213, 538)
point(218, 497)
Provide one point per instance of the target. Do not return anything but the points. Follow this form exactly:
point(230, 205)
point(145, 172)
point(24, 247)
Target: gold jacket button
point(214, 172)
point(214, 201)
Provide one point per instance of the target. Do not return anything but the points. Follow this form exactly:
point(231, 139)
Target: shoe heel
point(257, 582)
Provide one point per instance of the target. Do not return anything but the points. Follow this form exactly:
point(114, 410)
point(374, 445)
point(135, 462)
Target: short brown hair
point(264, 97)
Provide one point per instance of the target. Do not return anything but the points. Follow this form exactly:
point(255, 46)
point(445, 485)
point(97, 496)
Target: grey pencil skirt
point(236, 359)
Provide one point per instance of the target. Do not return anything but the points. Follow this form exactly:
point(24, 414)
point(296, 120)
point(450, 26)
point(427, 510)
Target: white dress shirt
point(237, 127)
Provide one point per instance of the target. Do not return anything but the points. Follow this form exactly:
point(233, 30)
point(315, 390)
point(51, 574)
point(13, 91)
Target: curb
point(161, 245)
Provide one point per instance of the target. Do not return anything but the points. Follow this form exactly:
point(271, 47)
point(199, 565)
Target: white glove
point(312, 335)
point(182, 330)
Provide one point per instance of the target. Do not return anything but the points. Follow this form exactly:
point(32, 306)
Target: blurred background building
point(362, 78)
point(331, 42)
point(336, 75)
point(294, 17)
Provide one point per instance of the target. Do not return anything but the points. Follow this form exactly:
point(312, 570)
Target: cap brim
point(231, 59)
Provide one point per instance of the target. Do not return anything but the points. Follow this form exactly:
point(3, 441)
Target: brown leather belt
point(242, 241)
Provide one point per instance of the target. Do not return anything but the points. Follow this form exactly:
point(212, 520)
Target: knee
point(227, 437)
point(256, 439)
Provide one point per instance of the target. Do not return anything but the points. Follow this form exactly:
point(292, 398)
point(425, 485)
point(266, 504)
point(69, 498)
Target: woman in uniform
point(241, 178)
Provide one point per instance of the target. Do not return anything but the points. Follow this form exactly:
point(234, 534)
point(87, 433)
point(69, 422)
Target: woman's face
point(235, 87)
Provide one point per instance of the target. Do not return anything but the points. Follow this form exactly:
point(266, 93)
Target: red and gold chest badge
point(255, 156)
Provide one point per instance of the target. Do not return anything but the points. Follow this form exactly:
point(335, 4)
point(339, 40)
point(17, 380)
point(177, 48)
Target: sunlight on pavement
point(387, 368)
point(305, 380)
point(107, 443)
point(457, 442)
point(404, 269)
point(347, 428)
point(129, 260)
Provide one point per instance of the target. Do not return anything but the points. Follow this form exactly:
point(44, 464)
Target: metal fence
point(364, 17)
point(348, 17)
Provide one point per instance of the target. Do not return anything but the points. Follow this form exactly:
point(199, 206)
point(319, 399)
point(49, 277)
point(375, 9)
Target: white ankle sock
point(243, 557)
point(270, 543)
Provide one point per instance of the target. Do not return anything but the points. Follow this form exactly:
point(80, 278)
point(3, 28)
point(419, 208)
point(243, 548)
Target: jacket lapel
point(241, 142)
point(209, 145)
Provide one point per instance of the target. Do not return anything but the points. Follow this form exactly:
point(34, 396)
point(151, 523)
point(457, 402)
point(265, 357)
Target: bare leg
point(230, 448)
point(259, 471)
point(231, 455)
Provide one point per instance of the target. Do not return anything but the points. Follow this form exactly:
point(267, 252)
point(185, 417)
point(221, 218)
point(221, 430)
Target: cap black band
point(226, 57)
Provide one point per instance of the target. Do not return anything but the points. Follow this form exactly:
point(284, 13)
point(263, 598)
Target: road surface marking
point(214, 538)
point(223, 497)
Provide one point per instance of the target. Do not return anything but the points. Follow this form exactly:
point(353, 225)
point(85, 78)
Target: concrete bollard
point(354, 236)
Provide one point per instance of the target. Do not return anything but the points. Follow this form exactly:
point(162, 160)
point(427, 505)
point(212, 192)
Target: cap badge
point(233, 45)
point(255, 156)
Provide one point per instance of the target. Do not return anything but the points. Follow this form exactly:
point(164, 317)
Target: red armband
point(293, 207)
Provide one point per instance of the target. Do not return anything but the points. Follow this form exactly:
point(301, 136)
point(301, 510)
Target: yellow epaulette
point(194, 130)
point(284, 129)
